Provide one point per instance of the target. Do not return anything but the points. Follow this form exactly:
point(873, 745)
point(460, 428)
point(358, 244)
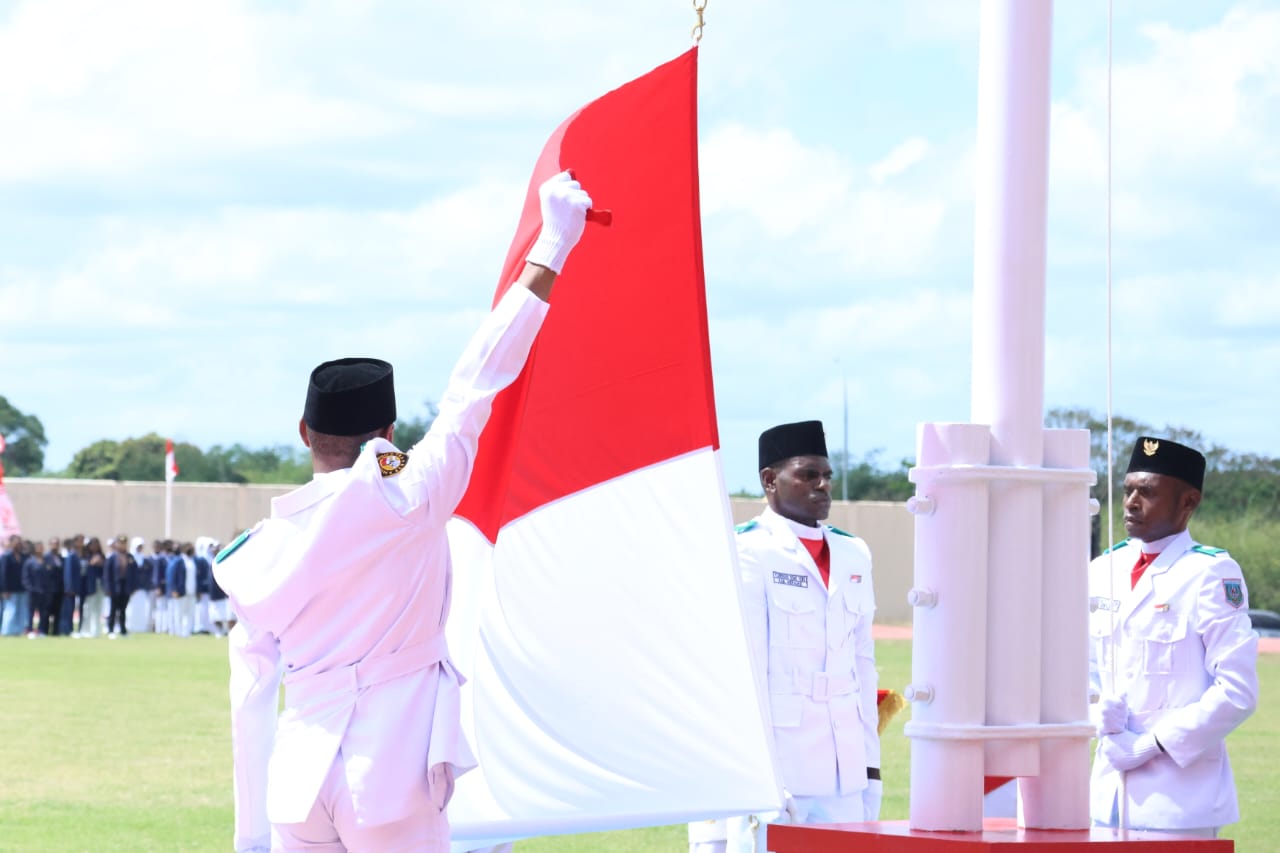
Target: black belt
point(873, 773)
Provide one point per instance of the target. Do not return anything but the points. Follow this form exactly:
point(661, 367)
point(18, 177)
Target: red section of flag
point(620, 376)
point(991, 783)
point(170, 462)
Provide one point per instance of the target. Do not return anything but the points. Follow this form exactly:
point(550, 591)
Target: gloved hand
point(1127, 750)
point(1110, 715)
point(564, 215)
point(871, 796)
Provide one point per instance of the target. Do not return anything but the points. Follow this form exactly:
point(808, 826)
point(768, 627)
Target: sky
point(200, 202)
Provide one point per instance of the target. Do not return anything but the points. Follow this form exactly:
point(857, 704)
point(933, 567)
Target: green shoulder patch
point(1206, 549)
point(235, 543)
point(1117, 546)
point(835, 529)
point(746, 525)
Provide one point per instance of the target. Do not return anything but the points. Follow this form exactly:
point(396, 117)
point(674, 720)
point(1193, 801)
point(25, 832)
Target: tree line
point(1240, 510)
point(142, 458)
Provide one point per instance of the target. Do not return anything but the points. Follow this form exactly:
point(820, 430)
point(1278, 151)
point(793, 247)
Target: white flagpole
point(168, 508)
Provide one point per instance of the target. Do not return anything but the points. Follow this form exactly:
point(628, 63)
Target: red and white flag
point(170, 462)
point(597, 609)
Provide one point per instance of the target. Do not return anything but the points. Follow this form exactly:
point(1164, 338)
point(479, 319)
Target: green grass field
point(124, 746)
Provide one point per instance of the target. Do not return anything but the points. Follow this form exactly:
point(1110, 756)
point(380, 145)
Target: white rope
point(1123, 792)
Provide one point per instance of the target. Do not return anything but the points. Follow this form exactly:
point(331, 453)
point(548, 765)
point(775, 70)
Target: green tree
point(24, 440)
point(95, 462)
point(409, 432)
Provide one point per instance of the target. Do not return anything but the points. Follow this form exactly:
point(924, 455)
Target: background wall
point(105, 508)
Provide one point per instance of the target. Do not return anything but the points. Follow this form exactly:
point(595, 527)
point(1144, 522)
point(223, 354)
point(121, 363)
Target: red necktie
point(821, 554)
point(1144, 560)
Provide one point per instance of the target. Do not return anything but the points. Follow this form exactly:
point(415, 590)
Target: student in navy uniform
point(137, 614)
point(809, 602)
point(13, 595)
point(118, 577)
point(38, 580)
point(1173, 656)
point(71, 571)
point(344, 592)
point(94, 563)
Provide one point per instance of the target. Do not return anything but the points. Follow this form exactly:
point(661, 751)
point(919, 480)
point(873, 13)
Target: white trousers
point(182, 612)
point(160, 608)
point(91, 615)
point(137, 613)
point(331, 826)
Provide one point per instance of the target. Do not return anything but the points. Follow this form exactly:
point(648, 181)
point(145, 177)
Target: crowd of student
point(75, 587)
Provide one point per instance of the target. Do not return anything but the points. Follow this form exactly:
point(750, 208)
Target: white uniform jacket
point(344, 591)
point(1187, 667)
point(814, 653)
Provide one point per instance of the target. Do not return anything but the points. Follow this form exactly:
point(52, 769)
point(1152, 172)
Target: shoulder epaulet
point(235, 543)
point(835, 529)
point(1117, 546)
point(1205, 549)
point(746, 525)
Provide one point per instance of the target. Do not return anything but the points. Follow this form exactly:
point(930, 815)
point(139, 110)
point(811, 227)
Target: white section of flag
point(170, 462)
point(2, 444)
point(610, 678)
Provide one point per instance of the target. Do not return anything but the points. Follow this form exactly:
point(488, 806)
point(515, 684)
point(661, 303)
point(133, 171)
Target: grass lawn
point(124, 746)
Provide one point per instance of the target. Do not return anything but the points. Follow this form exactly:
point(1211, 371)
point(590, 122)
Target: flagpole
point(844, 474)
point(168, 508)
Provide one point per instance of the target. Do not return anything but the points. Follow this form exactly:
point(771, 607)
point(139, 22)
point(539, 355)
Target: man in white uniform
point(809, 603)
point(1173, 656)
point(344, 593)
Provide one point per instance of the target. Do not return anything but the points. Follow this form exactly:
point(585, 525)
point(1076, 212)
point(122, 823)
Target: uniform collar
point(1173, 548)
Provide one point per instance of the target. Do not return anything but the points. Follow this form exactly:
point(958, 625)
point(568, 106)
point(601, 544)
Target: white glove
point(871, 796)
point(564, 215)
point(1110, 715)
point(789, 807)
point(1127, 750)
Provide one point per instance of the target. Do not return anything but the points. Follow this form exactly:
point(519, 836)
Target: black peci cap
point(805, 438)
point(1162, 456)
point(350, 396)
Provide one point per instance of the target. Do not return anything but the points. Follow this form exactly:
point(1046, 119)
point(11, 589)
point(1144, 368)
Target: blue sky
point(198, 202)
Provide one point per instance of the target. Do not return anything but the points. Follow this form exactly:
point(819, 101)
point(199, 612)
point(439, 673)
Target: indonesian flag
point(597, 609)
point(170, 462)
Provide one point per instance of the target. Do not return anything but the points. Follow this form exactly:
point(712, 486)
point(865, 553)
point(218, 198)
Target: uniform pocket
point(1161, 639)
point(796, 622)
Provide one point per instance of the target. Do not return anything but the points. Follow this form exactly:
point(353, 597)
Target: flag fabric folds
point(170, 462)
point(597, 610)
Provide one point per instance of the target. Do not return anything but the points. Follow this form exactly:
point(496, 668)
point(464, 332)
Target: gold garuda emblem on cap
point(1150, 446)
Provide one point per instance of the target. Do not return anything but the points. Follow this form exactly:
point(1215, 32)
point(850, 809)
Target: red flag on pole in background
point(170, 462)
point(596, 604)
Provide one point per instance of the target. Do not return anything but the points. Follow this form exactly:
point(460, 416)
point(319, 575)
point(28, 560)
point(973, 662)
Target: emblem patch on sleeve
point(1234, 589)
point(392, 463)
point(790, 580)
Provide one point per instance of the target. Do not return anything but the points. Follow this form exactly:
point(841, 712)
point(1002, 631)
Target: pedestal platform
point(998, 834)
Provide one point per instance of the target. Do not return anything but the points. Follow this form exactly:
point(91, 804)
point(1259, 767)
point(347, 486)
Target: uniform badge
point(1234, 589)
point(791, 580)
point(856, 578)
point(392, 463)
point(1099, 603)
point(1162, 608)
point(1150, 446)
